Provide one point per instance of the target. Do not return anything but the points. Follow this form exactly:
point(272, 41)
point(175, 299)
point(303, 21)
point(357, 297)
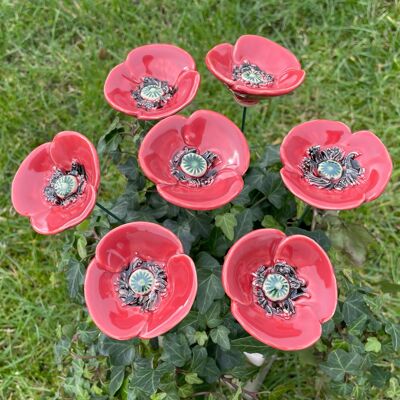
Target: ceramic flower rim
point(155, 81)
point(196, 162)
point(255, 68)
point(56, 185)
point(330, 168)
point(281, 288)
point(140, 283)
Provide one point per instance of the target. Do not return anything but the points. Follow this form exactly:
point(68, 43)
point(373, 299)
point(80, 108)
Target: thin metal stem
point(107, 211)
point(244, 118)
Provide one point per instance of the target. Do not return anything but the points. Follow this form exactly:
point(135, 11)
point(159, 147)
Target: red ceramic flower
point(154, 81)
point(56, 185)
point(196, 162)
point(140, 284)
point(282, 288)
point(255, 68)
point(330, 168)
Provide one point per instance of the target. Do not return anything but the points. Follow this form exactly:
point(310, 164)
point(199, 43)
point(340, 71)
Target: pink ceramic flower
point(154, 81)
point(255, 68)
point(330, 168)
point(282, 288)
point(140, 284)
point(56, 185)
point(196, 162)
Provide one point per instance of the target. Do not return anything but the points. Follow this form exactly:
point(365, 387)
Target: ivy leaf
point(209, 289)
point(251, 345)
point(145, 378)
point(176, 349)
point(274, 189)
point(121, 352)
point(220, 336)
point(131, 171)
point(373, 344)
point(378, 376)
point(192, 379)
point(229, 359)
point(353, 308)
point(255, 179)
point(81, 247)
point(244, 223)
point(75, 276)
point(116, 379)
point(213, 317)
point(199, 359)
point(211, 372)
point(271, 156)
point(110, 141)
point(394, 331)
point(183, 231)
point(357, 327)
point(205, 260)
point(201, 225)
point(340, 363)
point(226, 222)
point(317, 235)
point(190, 320)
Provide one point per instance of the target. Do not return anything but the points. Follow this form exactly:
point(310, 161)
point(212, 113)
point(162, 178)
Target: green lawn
point(55, 56)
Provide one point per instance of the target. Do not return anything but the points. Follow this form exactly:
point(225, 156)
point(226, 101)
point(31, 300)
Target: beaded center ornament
point(153, 93)
point(195, 169)
point(142, 284)
point(64, 187)
point(275, 288)
point(331, 168)
point(251, 75)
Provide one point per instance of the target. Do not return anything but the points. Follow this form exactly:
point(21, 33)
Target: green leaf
point(340, 363)
point(209, 289)
point(271, 156)
point(201, 225)
point(176, 349)
point(274, 189)
point(270, 222)
point(353, 308)
point(394, 389)
point(251, 345)
point(185, 391)
point(373, 344)
point(244, 223)
point(211, 372)
point(317, 235)
point(75, 276)
point(226, 222)
point(379, 376)
point(131, 171)
point(116, 379)
point(220, 336)
point(145, 378)
point(192, 379)
point(205, 260)
point(199, 359)
point(394, 331)
point(255, 179)
point(201, 337)
point(81, 247)
point(213, 317)
point(183, 231)
point(357, 327)
point(121, 352)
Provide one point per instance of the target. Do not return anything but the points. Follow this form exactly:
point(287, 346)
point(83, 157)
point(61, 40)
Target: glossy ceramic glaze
point(34, 173)
point(205, 131)
point(372, 156)
point(117, 249)
point(266, 54)
point(161, 61)
point(267, 247)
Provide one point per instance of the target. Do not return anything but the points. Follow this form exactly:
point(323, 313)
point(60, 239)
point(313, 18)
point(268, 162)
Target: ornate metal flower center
point(152, 93)
point(251, 75)
point(195, 169)
point(65, 187)
point(275, 288)
point(142, 284)
point(331, 168)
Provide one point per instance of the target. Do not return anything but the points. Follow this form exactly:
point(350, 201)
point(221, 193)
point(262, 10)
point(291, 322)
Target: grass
point(55, 56)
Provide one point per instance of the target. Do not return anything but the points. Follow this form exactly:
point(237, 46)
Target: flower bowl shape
point(281, 288)
point(56, 185)
point(255, 68)
point(196, 162)
point(155, 81)
point(140, 284)
point(328, 167)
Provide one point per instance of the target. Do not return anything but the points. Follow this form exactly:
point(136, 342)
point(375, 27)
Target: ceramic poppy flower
point(255, 68)
point(56, 185)
point(282, 288)
point(140, 284)
point(328, 167)
point(196, 162)
point(154, 81)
